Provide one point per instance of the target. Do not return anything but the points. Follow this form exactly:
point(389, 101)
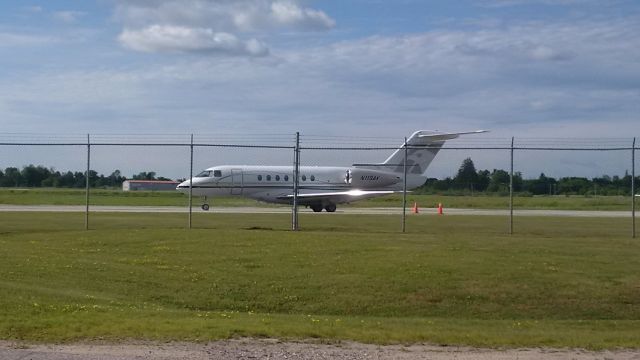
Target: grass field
point(171, 198)
point(109, 197)
point(566, 282)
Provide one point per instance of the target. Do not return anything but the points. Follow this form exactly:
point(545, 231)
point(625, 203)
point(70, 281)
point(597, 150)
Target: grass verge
point(172, 198)
point(567, 282)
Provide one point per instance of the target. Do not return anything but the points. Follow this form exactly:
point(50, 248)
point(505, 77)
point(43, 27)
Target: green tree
point(499, 181)
point(116, 179)
point(484, 178)
point(34, 175)
point(574, 186)
point(12, 177)
point(541, 185)
point(467, 175)
point(66, 180)
point(151, 175)
point(517, 181)
point(79, 179)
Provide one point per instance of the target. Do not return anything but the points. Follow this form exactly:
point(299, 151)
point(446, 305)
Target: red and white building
point(149, 185)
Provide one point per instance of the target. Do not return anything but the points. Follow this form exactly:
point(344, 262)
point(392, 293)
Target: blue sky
point(524, 68)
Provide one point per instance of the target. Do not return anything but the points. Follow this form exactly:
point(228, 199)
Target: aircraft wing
point(338, 196)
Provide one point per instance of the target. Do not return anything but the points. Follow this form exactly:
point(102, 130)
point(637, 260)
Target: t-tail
point(422, 147)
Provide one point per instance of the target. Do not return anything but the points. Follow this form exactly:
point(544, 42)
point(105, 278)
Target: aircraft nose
point(183, 186)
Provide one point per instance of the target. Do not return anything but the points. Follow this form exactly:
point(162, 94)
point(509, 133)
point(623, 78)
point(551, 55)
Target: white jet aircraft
point(322, 187)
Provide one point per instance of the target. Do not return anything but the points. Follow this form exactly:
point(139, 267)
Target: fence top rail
point(248, 139)
point(143, 144)
point(326, 148)
point(536, 148)
point(311, 141)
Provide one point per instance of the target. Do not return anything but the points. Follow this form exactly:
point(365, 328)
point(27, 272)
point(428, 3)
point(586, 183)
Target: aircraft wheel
point(330, 208)
point(205, 207)
point(316, 208)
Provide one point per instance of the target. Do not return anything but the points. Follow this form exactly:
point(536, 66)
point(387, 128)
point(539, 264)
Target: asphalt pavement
point(284, 209)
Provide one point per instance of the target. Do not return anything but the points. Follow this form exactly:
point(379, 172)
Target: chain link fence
point(302, 160)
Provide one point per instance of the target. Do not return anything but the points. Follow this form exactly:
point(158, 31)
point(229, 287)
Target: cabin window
point(205, 173)
point(277, 177)
point(217, 173)
point(304, 177)
point(313, 178)
point(268, 177)
point(259, 177)
point(286, 178)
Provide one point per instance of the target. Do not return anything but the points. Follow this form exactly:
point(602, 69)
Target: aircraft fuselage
point(322, 187)
point(274, 184)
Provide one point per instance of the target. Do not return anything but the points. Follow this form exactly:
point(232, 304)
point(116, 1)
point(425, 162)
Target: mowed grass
point(173, 198)
point(45, 196)
point(559, 202)
point(560, 282)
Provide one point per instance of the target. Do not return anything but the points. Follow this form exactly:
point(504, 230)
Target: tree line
point(40, 176)
point(468, 180)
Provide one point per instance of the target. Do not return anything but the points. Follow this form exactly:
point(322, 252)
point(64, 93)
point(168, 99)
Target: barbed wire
point(310, 142)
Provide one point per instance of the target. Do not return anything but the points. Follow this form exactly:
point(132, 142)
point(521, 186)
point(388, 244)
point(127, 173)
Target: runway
point(286, 210)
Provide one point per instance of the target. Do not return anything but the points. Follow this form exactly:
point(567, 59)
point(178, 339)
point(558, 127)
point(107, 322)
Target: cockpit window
point(205, 173)
point(217, 173)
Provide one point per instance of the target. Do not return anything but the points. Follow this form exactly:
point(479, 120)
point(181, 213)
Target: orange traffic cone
point(415, 208)
point(440, 212)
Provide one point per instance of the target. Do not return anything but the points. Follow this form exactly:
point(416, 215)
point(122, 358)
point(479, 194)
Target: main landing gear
point(205, 206)
point(319, 207)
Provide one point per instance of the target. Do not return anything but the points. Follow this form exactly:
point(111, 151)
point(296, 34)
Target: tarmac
point(284, 210)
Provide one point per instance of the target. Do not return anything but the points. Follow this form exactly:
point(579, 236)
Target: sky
point(357, 68)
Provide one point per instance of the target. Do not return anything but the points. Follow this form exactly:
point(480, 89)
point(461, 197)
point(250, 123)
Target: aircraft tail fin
point(423, 145)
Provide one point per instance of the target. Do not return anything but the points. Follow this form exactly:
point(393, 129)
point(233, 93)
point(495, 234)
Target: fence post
point(633, 189)
point(296, 171)
point(190, 181)
point(86, 210)
point(511, 192)
point(404, 188)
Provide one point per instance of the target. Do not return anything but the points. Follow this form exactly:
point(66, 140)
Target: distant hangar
point(149, 185)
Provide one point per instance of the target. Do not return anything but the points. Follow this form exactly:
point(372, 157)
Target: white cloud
point(157, 38)
point(67, 16)
point(508, 3)
point(223, 15)
point(528, 75)
point(200, 21)
point(290, 14)
point(527, 79)
point(13, 39)
point(34, 9)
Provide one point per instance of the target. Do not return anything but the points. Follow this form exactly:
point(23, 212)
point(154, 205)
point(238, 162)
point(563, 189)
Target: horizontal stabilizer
point(438, 137)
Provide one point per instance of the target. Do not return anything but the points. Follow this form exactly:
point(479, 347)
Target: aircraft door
point(237, 181)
